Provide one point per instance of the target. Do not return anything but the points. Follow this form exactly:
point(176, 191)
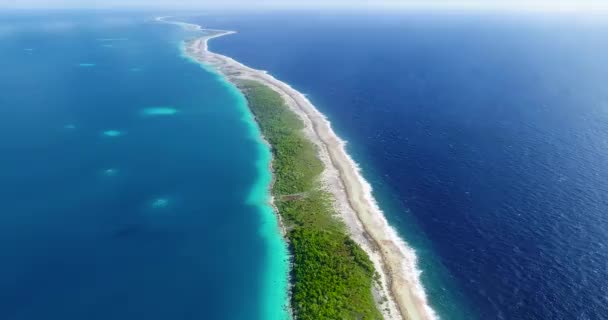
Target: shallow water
point(110, 215)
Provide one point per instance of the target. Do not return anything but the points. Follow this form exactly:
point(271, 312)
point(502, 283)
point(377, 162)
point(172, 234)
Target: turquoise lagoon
point(169, 221)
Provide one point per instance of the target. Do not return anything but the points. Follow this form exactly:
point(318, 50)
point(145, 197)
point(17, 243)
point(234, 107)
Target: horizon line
point(543, 6)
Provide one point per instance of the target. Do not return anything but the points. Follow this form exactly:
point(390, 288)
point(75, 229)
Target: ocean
point(485, 137)
point(133, 182)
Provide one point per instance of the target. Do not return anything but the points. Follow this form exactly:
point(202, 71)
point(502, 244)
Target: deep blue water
point(485, 138)
point(161, 217)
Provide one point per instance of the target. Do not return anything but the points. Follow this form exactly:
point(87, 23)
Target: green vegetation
point(332, 275)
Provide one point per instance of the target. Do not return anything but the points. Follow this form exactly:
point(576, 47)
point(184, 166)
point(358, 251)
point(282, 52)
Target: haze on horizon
point(501, 5)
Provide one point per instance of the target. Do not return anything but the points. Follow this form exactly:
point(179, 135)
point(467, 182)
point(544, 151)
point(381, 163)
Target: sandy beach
point(400, 294)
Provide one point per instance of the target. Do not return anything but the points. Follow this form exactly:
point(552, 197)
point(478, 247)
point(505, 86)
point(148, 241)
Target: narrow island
point(348, 263)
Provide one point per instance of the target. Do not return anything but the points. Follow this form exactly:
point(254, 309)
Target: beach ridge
point(400, 294)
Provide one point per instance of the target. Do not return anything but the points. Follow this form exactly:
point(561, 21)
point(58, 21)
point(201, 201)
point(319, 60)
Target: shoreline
point(270, 201)
point(400, 294)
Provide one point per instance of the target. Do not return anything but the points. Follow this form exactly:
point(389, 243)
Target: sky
point(527, 5)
